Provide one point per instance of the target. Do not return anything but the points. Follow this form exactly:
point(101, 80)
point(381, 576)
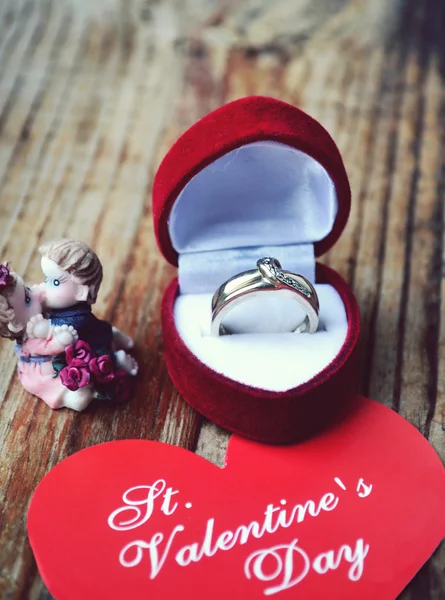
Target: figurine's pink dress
point(36, 370)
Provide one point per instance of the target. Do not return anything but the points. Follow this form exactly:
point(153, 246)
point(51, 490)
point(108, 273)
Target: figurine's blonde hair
point(7, 314)
point(78, 260)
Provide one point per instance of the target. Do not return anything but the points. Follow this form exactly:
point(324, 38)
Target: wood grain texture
point(92, 94)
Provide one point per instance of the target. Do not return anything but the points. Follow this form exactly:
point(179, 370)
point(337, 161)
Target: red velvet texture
point(264, 416)
point(244, 121)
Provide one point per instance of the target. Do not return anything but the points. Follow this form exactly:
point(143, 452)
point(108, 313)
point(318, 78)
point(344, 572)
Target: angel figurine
point(66, 355)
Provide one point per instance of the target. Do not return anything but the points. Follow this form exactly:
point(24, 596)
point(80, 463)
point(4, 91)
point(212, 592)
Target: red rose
point(75, 375)
point(123, 386)
point(102, 368)
point(80, 350)
point(5, 276)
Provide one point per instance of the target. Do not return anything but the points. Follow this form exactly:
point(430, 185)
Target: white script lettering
point(156, 561)
point(296, 564)
point(363, 490)
point(291, 562)
point(139, 501)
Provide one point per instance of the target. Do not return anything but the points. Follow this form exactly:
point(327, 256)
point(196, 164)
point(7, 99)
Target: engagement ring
point(267, 277)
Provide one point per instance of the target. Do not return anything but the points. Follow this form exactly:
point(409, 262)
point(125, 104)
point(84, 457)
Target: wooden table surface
point(93, 93)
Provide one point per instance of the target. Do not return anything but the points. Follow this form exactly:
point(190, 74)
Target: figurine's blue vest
point(98, 334)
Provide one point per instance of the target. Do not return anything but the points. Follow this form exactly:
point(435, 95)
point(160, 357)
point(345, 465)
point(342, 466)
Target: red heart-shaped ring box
point(256, 178)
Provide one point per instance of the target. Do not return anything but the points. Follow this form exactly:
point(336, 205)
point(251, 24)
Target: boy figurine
point(73, 274)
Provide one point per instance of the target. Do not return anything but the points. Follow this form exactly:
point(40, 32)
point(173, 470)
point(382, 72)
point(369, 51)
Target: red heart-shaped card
point(352, 513)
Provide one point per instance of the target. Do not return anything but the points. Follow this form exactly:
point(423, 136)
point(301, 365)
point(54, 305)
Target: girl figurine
point(37, 342)
point(68, 356)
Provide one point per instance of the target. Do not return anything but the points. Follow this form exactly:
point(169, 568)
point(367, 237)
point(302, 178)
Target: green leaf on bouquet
point(59, 362)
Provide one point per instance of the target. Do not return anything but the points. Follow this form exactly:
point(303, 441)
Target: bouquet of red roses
point(79, 366)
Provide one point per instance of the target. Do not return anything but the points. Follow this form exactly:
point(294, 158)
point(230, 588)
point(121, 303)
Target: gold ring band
point(267, 277)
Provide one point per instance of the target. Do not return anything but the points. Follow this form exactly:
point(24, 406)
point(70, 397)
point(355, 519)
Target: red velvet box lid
point(244, 121)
